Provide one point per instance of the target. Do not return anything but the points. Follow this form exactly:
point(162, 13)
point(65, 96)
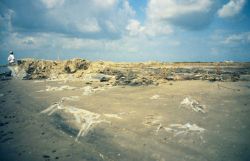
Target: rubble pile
point(45, 69)
point(133, 74)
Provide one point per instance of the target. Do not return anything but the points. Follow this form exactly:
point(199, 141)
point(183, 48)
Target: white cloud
point(127, 8)
point(105, 4)
point(189, 14)
point(151, 29)
point(242, 38)
point(110, 26)
point(134, 27)
point(232, 8)
point(20, 41)
point(5, 20)
point(109, 29)
point(164, 9)
point(80, 44)
point(88, 25)
point(125, 12)
point(52, 3)
point(93, 19)
point(52, 43)
point(157, 29)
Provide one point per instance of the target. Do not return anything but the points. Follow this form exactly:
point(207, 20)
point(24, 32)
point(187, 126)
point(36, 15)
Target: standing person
point(11, 58)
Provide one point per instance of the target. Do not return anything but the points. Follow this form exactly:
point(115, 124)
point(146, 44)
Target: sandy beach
point(132, 123)
point(125, 80)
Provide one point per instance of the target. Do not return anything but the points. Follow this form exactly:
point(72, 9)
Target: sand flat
point(140, 128)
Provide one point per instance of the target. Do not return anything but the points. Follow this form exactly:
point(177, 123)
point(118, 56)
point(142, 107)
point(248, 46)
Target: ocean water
point(4, 69)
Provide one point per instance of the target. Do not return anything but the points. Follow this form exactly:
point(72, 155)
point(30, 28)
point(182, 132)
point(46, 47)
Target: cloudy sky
point(126, 30)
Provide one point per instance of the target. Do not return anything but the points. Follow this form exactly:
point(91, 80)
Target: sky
point(126, 30)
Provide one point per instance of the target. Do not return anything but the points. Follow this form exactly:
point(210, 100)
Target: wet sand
point(138, 126)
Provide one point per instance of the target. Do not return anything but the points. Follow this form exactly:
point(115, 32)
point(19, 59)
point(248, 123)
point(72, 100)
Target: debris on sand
point(88, 90)
point(101, 155)
point(70, 98)
point(155, 97)
point(158, 128)
point(39, 81)
point(188, 102)
point(50, 88)
point(152, 120)
point(188, 127)
point(112, 116)
point(82, 120)
point(179, 129)
point(175, 129)
point(79, 119)
point(127, 113)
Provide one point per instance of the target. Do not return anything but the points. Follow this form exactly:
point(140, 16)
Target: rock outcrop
point(45, 69)
point(133, 74)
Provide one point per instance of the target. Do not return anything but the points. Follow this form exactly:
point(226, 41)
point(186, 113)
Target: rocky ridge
point(133, 74)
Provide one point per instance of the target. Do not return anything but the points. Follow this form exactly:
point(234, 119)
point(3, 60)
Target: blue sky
point(126, 30)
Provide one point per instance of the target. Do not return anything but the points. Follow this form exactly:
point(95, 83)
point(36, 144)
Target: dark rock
point(71, 66)
point(170, 77)
point(226, 77)
point(101, 77)
point(104, 79)
point(133, 74)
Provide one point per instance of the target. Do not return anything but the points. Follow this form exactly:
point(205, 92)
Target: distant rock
point(132, 74)
point(71, 66)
